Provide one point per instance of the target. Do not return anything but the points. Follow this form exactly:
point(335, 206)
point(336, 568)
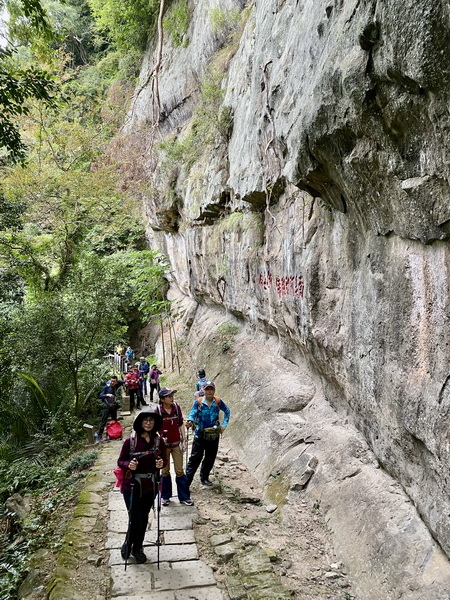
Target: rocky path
point(229, 546)
point(181, 575)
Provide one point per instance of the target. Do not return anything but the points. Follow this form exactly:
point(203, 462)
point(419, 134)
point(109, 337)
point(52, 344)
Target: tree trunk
point(163, 345)
point(76, 389)
point(171, 342)
point(177, 354)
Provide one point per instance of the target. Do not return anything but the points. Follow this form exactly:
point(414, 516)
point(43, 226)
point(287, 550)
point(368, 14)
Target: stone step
point(172, 553)
point(179, 536)
point(118, 521)
point(168, 523)
point(184, 575)
point(145, 578)
point(205, 593)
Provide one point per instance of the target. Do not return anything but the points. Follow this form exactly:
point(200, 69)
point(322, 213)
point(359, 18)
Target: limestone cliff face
point(317, 213)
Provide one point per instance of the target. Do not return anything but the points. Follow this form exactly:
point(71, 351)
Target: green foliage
point(228, 329)
point(73, 270)
point(179, 151)
point(177, 23)
point(85, 318)
point(211, 123)
point(55, 486)
point(16, 87)
point(19, 85)
point(232, 222)
point(222, 21)
point(74, 29)
point(26, 18)
point(126, 24)
point(80, 462)
point(144, 285)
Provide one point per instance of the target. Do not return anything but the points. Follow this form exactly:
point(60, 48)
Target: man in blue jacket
point(205, 416)
point(109, 409)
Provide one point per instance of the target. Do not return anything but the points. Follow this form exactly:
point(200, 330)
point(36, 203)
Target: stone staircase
point(181, 575)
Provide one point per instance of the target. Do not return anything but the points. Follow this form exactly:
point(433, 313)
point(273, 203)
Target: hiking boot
point(125, 551)
point(139, 555)
point(187, 502)
point(165, 502)
point(207, 482)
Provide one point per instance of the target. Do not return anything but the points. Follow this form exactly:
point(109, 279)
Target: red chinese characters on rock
point(265, 280)
point(292, 286)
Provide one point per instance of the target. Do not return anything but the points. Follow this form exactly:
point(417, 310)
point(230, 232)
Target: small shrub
point(80, 462)
point(223, 21)
point(177, 23)
point(228, 329)
point(225, 345)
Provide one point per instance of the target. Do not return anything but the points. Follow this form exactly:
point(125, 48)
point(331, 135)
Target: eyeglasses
point(149, 420)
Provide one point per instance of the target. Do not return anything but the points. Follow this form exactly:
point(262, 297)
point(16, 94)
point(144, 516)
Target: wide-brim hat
point(137, 425)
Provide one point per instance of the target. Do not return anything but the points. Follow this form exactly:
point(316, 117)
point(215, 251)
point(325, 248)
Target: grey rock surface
point(320, 226)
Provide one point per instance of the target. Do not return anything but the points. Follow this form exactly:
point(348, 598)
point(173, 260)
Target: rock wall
point(319, 217)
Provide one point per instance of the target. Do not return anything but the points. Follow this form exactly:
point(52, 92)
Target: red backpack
point(114, 430)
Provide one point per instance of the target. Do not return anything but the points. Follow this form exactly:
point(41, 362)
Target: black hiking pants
point(140, 510)
point(202, 450)
point(136, 398)
point(107, 412)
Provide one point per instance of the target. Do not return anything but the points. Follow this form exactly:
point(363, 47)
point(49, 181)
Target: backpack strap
point(199, 404)
point(133, 445)
point(158, 409)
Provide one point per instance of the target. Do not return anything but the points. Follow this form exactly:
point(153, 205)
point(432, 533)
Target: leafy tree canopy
point(18, 85)
point(126, 24)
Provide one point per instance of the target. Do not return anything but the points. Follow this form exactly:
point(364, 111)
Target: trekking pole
point(187, 446)
point(158, 531)
point(128, 536)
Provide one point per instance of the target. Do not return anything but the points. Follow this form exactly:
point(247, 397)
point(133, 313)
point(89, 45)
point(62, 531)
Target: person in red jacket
point(173, 433)
point(142, 455)
point(133, 384)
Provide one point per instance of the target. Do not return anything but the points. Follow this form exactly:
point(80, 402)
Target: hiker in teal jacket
point(205, 415)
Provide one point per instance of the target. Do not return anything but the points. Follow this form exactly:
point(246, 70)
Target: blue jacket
point(208, 416)
point(144, 368)
point(110, 389)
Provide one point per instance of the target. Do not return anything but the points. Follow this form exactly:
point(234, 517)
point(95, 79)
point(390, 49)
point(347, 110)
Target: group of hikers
point(135, 380)
point(158, 434)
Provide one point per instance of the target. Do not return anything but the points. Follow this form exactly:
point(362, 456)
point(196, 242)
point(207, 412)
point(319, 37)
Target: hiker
point(204, 416)
point(129, 354)
point(144, 368)
point(173, 432)
point(142, 455)
point(109, 409)
point(154, 380)
point(200, 383)
point(133, 381)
